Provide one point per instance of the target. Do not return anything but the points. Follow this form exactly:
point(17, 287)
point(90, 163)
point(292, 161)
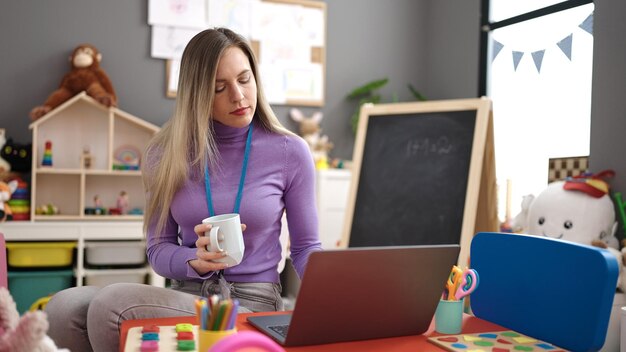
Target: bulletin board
point(423, 174)
point(289, 41)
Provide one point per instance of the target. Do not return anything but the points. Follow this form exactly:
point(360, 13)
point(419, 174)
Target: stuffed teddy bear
point(577, 209)
point(85, 75)
point(25, 334)
point(311, 132)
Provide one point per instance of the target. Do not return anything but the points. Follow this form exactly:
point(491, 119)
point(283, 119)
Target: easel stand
point(439, 153)
point(487, 207)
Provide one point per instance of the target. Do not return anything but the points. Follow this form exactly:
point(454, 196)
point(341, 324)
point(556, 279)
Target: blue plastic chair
point(552, 290)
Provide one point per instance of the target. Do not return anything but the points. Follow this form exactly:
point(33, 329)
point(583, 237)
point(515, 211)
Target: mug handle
point(213, 238)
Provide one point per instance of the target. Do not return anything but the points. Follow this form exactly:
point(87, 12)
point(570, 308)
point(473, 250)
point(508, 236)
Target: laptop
point(364, 293)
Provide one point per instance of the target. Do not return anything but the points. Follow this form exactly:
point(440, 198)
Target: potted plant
point(369, 93)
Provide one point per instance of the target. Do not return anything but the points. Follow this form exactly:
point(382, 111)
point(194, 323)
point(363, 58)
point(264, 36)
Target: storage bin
point(115, 252)
point(111, 276)
point(26, 287)
point(40, 254)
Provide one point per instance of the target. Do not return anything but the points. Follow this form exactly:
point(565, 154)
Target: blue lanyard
point(207, 180)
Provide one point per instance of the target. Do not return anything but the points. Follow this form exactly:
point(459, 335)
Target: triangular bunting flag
point(497, 46)
point(538, 58)
point(517, 57)
point(566, 46)
point(587, 24)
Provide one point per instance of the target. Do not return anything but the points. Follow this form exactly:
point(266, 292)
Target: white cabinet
point(332, 188)
point(81, 232)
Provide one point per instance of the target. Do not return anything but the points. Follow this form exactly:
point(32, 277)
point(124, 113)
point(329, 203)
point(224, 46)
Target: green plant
point(369, 93)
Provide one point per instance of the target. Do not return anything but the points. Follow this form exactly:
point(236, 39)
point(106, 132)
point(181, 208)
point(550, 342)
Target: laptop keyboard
point(280, 329)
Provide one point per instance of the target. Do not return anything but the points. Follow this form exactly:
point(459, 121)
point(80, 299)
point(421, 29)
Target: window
point(537, 71)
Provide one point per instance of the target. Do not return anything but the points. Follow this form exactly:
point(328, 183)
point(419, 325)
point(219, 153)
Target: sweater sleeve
point(168, 257)
point(300, 203)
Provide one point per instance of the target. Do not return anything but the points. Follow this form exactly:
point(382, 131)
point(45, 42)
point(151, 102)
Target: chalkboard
point(417, 171)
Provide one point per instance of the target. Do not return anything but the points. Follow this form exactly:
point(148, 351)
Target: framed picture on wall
point(287, 36)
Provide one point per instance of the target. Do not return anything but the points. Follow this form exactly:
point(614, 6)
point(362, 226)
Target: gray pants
point(89, 318)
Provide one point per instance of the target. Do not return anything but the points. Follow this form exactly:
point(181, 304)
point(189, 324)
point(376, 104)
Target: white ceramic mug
point(226, 236)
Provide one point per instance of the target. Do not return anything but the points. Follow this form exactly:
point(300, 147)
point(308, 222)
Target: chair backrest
point(553, 290)
point(3, 262)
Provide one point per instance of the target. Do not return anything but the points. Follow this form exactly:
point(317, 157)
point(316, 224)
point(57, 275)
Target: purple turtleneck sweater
point(280, 177)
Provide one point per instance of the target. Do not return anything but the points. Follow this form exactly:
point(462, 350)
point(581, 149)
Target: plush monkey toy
point(86, 75)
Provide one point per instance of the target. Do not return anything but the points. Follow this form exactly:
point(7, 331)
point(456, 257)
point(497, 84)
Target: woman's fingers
point(203, 242)
point(206, 257)
point(203, 266)
point(203, 254)
point(200, 229)
point(203, 251)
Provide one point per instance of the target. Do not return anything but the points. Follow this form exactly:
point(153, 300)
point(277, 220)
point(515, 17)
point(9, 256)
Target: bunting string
point(565, 45)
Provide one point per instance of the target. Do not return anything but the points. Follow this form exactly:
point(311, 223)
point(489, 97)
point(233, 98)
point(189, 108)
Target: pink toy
point(27, 333)
point(246, 339)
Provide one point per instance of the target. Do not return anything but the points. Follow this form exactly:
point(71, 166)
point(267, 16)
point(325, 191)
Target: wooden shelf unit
point(112, 137)
point(109, 134)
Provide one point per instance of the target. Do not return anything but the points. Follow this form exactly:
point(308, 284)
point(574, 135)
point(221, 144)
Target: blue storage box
point(26, 287)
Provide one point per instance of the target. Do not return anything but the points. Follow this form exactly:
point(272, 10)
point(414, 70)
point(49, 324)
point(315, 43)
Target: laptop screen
point(369, 292)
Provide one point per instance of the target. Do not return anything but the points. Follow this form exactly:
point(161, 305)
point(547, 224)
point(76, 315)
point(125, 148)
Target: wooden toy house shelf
point(83, 150)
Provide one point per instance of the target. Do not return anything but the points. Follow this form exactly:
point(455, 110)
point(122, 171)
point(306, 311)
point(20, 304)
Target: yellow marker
point(221, 309)
point(226, 316)
point(199, 304)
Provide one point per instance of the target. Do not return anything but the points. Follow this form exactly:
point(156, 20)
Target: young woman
point(223, 151)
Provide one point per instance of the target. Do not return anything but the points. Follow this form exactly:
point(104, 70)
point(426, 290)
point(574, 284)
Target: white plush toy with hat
point(578, 210)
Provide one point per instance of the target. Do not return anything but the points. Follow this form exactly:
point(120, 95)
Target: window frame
point(486, 26)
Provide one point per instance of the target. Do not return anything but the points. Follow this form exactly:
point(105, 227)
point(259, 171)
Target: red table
point(471, 324)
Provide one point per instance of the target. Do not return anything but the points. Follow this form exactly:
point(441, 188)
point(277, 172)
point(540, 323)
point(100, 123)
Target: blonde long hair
point(187, 142)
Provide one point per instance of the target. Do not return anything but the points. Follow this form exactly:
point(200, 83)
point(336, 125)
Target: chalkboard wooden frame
point(480, 207)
